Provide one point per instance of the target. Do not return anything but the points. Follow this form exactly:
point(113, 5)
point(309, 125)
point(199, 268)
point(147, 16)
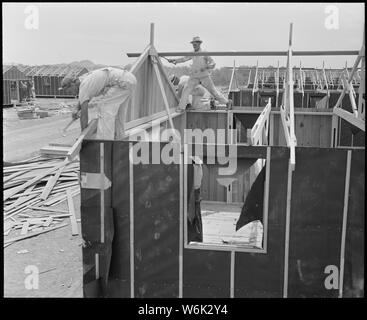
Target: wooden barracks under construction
point(299, 136)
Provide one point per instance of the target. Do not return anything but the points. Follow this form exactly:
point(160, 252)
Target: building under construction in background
point(298, 189)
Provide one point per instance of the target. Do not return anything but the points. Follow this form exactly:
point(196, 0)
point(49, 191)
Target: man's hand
point(76, 114)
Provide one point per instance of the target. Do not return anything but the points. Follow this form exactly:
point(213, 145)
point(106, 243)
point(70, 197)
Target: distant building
point(16, 85)
point(47, 79)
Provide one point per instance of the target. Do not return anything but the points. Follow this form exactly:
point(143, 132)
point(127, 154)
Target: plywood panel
point(353, 285)
point(261, 275)
point(315, 220)
point(156, 230)
point(206, 274)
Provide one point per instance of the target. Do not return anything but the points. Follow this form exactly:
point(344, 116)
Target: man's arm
point(180, 60)
point(84, 115)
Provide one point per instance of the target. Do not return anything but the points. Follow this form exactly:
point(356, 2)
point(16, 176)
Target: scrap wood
point(48, 209)
point(62, 197)
point(25, 228)
point(18, 238)
point(74, 225)
point(51, 183)
point(8, 193)
point(20, 200)
point(74, 150)
point(25, 199)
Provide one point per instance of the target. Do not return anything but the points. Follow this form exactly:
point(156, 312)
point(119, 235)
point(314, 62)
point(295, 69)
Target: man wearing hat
point(111, 90)
point(200, 74)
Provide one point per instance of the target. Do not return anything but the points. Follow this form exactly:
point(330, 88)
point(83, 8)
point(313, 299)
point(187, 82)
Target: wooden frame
point(287, 107)
point(253, 53)
point(260, 130)
point(357, 118)
point(229, 247)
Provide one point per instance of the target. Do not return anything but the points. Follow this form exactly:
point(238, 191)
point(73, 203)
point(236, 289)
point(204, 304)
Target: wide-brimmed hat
point(196, 39)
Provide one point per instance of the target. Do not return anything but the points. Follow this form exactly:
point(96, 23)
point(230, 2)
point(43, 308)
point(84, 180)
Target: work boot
point(229, 104)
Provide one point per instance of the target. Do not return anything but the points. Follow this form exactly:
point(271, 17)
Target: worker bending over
point(111, 90)
point(200, 74)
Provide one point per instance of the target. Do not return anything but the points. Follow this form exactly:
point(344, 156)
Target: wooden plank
point(287, 231)
point(74, 225)
point(344, 225)
point(253, 53)
point(132, 255)
point(25, 228)
point(74, 150)
point(166, 105)
point(12, 240)
point(50, 184)
point(10, 192)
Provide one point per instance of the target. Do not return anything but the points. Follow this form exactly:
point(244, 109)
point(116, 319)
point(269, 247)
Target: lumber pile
point(32, 189)
point(55, 150)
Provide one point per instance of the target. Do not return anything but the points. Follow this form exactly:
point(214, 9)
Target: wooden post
point(152, 34)
point(344, 223)
point(290, 34)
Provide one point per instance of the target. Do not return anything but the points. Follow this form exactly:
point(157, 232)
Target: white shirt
point(198, 63)
point(97, 82)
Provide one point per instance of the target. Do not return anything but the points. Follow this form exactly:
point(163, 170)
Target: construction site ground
point(57, 254)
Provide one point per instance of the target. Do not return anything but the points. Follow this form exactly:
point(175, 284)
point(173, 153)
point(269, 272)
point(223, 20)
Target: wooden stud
point(266, 199)
point(132, 255)
point(74, 225)
point(10, 241)
point(253, 53)
point(102, 176)
point(287, 231)
point(232, 282)
point(181, 244)
point(344, 224)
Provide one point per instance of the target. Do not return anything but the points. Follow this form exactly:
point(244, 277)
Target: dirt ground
point(57, 254)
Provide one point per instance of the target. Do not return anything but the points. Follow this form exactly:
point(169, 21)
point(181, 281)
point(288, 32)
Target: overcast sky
point(105, 32)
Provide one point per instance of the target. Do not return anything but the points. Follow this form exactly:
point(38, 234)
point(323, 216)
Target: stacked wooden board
point(32, 190)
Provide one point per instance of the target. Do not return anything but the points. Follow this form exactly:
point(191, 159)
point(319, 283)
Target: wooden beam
point(259, 126)
point(232, 76)
point(74, 225)
point(131, 235)
point(253, 53)
point(7, 241)
point(152, 34)
point(10, 192)
point(74, 150)
point(287, 231)
point(140, 60)
point(51, 183)
point(351, 118)
point(344, 223)
point(166, 105)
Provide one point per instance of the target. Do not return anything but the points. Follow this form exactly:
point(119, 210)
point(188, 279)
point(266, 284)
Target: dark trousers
point(195, 225)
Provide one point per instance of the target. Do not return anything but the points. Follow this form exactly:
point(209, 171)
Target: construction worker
point(200, 74)
point(196, 99)
point(111, 90)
